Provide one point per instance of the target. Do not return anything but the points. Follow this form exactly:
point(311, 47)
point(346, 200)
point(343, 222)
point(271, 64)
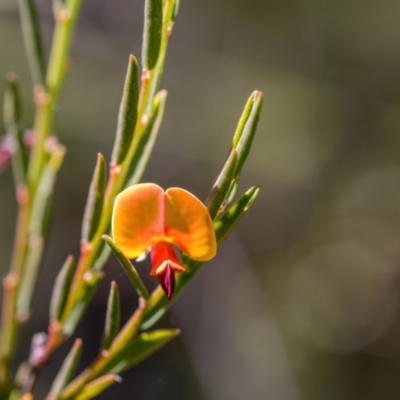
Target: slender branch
point(65, 17)
point(21, 232)
point(9, 322)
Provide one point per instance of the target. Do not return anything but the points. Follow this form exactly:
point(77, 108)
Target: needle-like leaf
point(94, 203)
point(112, 322)
point(128, 112)
point(67, 370)
point(142, 347)
point(221, 187)
point(147, 140)
point(247, 128)
point(91, 280)
point(12, 113)
point(61, 289)
point(176, 9)
point(153, 24)
point(97, 386)
point(128, 268)
point(12, 116)
point(224, 225)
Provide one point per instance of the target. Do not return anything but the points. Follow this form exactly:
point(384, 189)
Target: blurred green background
point(302, 301)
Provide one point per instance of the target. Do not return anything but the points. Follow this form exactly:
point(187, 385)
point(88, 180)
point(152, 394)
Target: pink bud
point(7, 149)
point(29, 138)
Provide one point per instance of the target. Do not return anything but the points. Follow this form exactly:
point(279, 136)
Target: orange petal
point(188, 225)
point(138, 218)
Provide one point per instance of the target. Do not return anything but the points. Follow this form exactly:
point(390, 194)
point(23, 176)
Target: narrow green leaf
point(224, 225)
point(12, 113)
point(232, 191)
point(176, 9)
point(151, 79)
point(246, 129)
point(113, 316)
point(129, 330)
point(97, 386)
point(61, 289)
point(94, 203)
point(153, 24)
point(12, 116)
point(128, 112)
point(45, 188)
point(141, 348)
point(32, 40)
point(91, 279)
point(128, 268)
point(37, 228)
point(145, 144)
point(67, 370)
point(221, 187)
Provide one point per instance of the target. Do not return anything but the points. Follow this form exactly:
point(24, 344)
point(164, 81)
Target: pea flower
point(145, 218)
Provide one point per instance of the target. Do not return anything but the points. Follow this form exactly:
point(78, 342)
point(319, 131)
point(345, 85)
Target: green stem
point(65, 16)
point(9, 322)
point(42, 128)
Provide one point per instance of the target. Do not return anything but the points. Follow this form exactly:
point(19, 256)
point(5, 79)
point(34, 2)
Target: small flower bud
point(29, 138)
point(7, 149)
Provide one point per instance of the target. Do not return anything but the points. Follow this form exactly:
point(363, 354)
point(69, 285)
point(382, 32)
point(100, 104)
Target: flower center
point(164, 263)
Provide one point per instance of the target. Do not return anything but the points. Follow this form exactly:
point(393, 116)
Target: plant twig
point(46, 97)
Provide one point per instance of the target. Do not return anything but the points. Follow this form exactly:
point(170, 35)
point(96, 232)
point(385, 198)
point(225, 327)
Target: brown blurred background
point(302, 301)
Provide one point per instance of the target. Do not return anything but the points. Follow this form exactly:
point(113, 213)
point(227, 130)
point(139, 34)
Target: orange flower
point(145, 217)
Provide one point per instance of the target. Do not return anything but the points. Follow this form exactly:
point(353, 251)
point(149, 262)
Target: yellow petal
point(188, 225)
point(138, 218)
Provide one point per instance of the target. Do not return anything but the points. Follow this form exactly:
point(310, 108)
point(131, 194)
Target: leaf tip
point(162, 94)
